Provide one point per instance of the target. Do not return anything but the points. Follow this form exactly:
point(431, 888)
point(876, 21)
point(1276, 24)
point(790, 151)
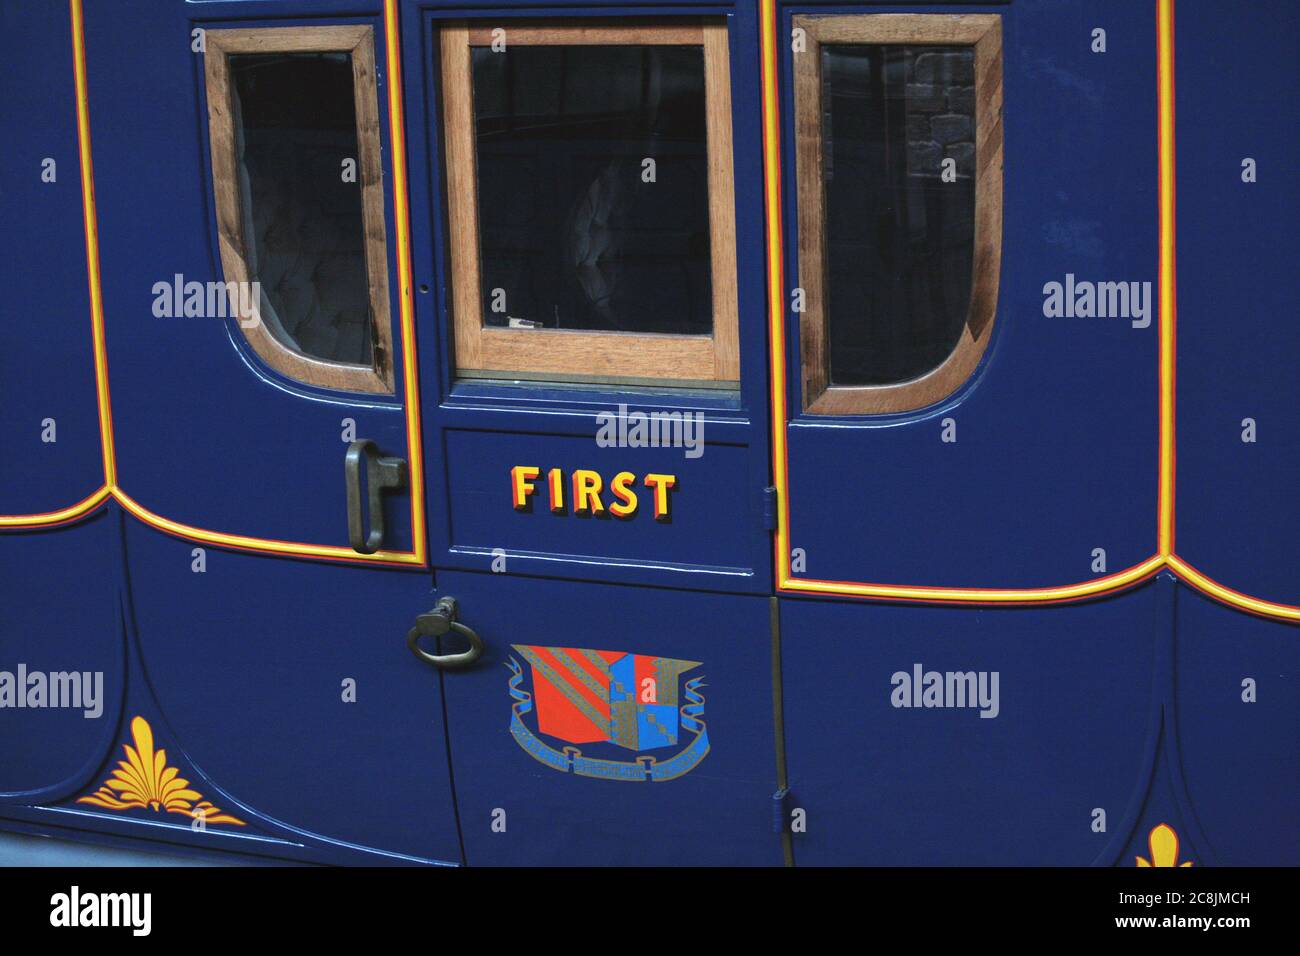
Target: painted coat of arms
point(609, 700)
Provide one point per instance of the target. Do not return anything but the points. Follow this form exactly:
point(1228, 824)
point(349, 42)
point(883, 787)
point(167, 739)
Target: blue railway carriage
point(757, 432)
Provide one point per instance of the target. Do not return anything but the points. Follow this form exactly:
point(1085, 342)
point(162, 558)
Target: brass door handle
point(382, 474)
point(437, 622)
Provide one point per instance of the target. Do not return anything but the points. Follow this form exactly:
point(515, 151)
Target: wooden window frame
point(358, 42)
point(482, 350)
point(984, 33)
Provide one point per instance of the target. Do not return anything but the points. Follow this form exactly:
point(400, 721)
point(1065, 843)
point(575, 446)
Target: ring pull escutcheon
point(442, 620)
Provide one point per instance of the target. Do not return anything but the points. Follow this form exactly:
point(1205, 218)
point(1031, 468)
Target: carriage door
point(970, 421)
point(600, 515)
point(261, 350)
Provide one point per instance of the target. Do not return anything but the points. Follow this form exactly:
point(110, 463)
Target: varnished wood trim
point(722, 204)
point(358, 41)
point(901, 28)
point(811, 197)
point(984, 32)
point(589, 34)
point(518, 352)
point(462, 195)
point(613, 354)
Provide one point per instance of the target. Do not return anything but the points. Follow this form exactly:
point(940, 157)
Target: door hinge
point(769, 508)
point(779, 814)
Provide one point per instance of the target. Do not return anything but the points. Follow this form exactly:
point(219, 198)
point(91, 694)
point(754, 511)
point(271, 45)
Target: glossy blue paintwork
point(907, 786)
point(1239, 760)
point(268, 722)
point(715, 537)
point(1057, 431)
point(1237, 333)
point(719, 813)
point(60, 612)
point(205, 434)
point(46, 310)
point(1131, 703)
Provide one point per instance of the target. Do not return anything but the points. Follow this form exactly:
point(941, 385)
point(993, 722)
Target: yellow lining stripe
point(1168, 285)
point(1068, 592)
point(397, 131)
point(776, 287)
point(1228, 596)
point(335, 552)
point(85, 505)
point(92, 247)
point(96, 498)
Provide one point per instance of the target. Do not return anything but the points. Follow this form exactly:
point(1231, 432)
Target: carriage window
point(899, 168)
point(294, 126)
point(590, 201)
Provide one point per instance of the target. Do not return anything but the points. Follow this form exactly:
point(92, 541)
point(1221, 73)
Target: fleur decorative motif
point(143, 780)
point(1163, 842)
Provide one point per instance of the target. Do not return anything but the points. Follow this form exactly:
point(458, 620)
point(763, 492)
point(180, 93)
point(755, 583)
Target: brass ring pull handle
point(437, 622)
point(382, 474)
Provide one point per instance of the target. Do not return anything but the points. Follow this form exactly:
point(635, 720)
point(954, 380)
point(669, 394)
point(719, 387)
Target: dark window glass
point(570, 230)
point(899, 240)
point(295, 125)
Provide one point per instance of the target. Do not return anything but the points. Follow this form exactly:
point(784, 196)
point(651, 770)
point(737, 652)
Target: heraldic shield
point(608, 700)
